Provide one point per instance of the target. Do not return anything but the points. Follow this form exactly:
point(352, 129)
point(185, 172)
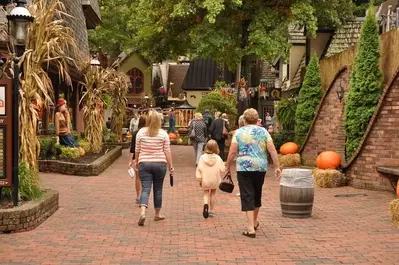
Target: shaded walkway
point(97, 224)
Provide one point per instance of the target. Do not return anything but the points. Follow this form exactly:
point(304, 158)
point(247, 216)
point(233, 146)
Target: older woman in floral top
point(250, 145)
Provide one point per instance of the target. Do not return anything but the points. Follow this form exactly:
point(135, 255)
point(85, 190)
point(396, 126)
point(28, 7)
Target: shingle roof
point(345, 37)
point(296, 33)
point(177, 74)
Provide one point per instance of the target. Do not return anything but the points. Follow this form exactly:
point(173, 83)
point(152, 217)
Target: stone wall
point(328, 132)
point(92, 169)
point(380, 146)
point(29, 215)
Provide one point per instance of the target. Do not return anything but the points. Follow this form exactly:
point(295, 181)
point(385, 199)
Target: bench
point(392, 173)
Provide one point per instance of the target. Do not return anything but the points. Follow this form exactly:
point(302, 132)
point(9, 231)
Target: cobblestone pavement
point(97, 224)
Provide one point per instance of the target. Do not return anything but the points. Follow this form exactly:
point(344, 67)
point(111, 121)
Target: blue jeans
point(152, 173)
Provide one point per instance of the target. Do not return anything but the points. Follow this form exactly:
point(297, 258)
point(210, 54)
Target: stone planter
point(92, 169)
point(125, 145)
point(29, 215)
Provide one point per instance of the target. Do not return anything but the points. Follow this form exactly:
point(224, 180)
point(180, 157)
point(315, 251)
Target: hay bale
point(328, 178)
point(291, 160)
point(394, 208)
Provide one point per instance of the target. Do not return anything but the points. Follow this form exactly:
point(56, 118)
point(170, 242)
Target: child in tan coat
point(209, 174)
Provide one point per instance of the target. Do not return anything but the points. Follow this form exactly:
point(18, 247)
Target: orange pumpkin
point(172, 136)
point(328, 160)
point(82, 152)
point(289, 148)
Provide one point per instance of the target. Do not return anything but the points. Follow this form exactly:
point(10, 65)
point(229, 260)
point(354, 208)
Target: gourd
point(289, 148)
point(328, 160)
point(172, 136)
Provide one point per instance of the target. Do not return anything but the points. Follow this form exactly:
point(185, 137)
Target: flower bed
point(30, 214)
point(88, 165)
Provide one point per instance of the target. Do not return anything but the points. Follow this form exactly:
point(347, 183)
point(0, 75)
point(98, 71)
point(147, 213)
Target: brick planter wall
point(328, 131)
point(125, 145)
point(29, 215)
point(380, 147)
point(92, 169)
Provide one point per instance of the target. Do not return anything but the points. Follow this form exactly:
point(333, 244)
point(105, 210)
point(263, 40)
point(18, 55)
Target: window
point(137, 79)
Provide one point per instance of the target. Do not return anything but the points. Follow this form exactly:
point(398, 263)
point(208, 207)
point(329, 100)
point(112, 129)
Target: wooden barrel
point(296, 193)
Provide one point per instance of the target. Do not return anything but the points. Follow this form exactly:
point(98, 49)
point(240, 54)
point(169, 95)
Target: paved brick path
point(97, 224)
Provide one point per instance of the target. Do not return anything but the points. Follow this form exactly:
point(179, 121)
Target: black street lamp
point(19, 20)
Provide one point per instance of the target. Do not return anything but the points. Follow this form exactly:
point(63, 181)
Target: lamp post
point(19, 20)
point(95, 62)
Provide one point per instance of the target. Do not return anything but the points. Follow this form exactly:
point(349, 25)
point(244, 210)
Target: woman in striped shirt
point(152, 157)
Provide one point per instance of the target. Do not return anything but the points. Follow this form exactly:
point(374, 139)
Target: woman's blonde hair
point(251, 116)
point(217, 114)
point(212, 147)
point(198, 116)
point(153, 123)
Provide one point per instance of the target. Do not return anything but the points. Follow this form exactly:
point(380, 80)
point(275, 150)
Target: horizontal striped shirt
point(152, 149)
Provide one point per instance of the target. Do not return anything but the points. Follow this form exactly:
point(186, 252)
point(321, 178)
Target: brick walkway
point(97, 224)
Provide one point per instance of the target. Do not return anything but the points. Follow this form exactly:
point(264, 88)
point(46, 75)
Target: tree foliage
point(113, 35)
point(365, 84)
point(309, 99)
point(286, 109)
point(218, 101)
point(225, 30)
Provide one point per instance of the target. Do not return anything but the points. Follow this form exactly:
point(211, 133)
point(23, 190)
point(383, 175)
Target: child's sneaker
point(238, 194)
point(212, 214)
point(205, 212)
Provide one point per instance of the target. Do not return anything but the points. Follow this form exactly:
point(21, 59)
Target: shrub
point(215, 101)
point(70, 153)
point(282, 137)
point(29, 184)
point(309, 99)
point(286, 109)
point(364, 86)
point(112, 137)
point(84, 145)
point(47, 147)
point(75, 135)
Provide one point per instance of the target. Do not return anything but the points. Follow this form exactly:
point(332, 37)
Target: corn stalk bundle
point(97, 83)
point(120, 84)
point(49, 42)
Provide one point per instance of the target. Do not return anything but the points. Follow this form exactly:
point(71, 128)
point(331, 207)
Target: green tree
point(217, 101)
point(286, 109)
point(113, 35)
point(365, 84)
point(309, 99)
point(225, 30)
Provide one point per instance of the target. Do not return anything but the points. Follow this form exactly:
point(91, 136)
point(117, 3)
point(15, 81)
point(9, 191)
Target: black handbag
point(171, 180)
point(227, 184)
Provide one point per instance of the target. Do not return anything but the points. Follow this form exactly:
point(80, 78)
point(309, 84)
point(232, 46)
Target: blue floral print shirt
point(252, 148)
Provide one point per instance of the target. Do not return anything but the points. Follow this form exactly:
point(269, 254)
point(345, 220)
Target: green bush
point(309, 99)
point(47, 147)
point(84, 145)
point(112, 137)
point(365, 85)
point(185, 140)
point(282, 137)
point(286, 109)
point(29, 182)
point(214, 101)
point(70, 153)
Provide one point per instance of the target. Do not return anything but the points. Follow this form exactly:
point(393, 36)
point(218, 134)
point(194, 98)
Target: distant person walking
point(152, 157)
point(207, 119)
point(209, 174)
point(250, 145)
point(198, 126)
point(132, 162)
point(134, 123)
point(172, 121)
point(217, 133)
